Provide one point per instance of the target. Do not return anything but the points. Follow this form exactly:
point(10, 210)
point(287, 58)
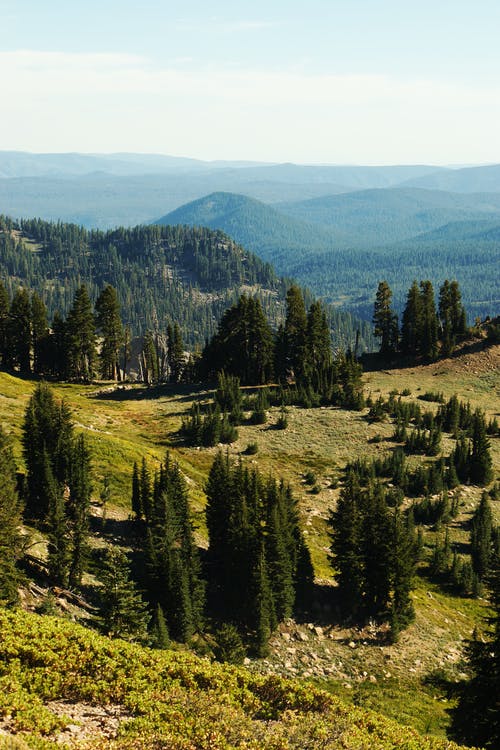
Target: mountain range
point(337, 229)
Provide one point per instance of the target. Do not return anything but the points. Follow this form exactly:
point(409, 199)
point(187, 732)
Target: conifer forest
point(204, 461)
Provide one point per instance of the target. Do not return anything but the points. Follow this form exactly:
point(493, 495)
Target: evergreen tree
point(457, 311)
point(58, 483)
point(123, 613)
point(4, 325)
point(58, 546)
point(428, 337)
point(10, 523)
point(176, 356)
point(47, 436)
point(318, 353)
point(172, 563)
point(58, 348)
point(146, 499)
point(346, 531)
point(376, 551)
point(80, 337)
point(404, 554)
point(385, 321)
point(476, 717)
point(481, 537)
point(295, 332)
point(452, 315)
point(149, 360)
point(280, 355)
point(19, 332)
point(243, 345)
point(258, 565)
point(480, 464)
point(40, 335)
point(110, 329)
point(136, 493)
point(159, 630)
point(411, 324)
point(77, 509)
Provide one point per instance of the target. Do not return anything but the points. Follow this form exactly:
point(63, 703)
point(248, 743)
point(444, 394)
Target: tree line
point(160, 273)
point(425, 331)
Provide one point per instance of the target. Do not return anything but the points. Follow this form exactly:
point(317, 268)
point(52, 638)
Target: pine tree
point(47, 435)
point(385, 320)
point(176, 356)
point(243, 345)
point(40, 334)
point(58, 483)
point(145, 491)
point(346, 532)
point(480, 464)
point(123, 613)
point(58, 539)
point(159, 630)
point(457, 311)
point(4, 325)
point(411, 324)
point(136, 493)
point(172, 563)
point(376, 551)
point(80, 337)
point(429, 323)
point(258, 565)
point(295, 333)
point(10, 523)
point(110, 329)
point(58, 348)
point(481, 537)
point(19, 332)
point(280, 563)
point(404, 556)
point(148, 360)
point(476, 718)
point(78, 509)
point(318, 353)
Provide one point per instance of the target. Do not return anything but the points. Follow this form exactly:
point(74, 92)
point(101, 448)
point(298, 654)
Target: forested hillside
point(161, 274)
point(340, 246)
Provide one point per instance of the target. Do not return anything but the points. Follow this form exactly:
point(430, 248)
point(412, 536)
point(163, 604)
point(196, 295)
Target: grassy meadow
point(403, 681)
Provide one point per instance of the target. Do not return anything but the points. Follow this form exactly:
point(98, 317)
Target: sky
point(337, 81)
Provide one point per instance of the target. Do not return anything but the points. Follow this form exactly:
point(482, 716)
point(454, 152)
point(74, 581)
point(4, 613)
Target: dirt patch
point(88, 722)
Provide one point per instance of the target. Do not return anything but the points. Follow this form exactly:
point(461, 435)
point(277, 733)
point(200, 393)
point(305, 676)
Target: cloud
point(124, 102)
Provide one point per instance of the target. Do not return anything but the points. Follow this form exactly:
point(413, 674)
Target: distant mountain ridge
point(124, 189)
point(360, 238)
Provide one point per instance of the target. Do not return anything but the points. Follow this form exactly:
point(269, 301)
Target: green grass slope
point(171, 700)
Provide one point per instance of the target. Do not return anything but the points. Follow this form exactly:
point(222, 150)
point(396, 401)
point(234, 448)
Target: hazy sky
point(337, 81)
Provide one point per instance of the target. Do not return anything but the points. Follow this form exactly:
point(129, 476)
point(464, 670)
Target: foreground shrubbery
point(178, 701)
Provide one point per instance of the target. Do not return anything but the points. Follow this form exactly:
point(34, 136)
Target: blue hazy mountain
point(485, 179)
point(397, 234)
